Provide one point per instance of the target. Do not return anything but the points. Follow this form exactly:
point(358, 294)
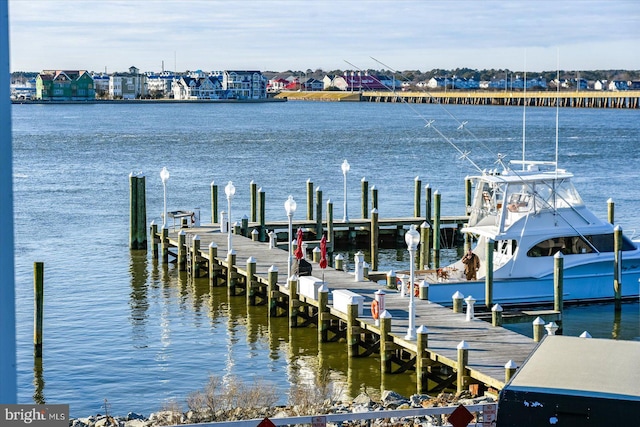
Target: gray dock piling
point(386, 342)
point(610, 211)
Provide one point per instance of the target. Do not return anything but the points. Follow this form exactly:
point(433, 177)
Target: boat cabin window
point(572, 245)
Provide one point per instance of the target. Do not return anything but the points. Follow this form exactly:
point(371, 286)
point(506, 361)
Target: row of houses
point(80, 85)
point(60, 85)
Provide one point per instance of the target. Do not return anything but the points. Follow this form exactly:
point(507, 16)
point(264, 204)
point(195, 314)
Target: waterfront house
point(65, 85)
point(160, 85)
point(129, 85)
point(312, 84)
point(618, 85)
point(277, 84)
point(101, 84)
point(188, 87)
point(244, 84)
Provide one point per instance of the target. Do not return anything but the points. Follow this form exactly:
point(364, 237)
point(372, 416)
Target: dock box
point(573, 381)
point(344, 297)
point(308, 286)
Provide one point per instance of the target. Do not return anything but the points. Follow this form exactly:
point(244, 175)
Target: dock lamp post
point(164, 176)
point(290, 208)
point(345, 169)
point(230, 191)
point(412, 238)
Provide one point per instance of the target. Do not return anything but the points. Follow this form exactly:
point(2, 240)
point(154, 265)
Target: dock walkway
point(435, 353)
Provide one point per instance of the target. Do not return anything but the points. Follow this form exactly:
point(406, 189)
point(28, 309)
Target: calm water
point(120, 327)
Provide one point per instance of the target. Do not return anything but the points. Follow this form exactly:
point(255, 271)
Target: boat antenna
point(524, 113)
point(430, 123)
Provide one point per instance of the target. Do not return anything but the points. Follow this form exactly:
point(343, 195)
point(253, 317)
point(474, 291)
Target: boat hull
point(531, 291)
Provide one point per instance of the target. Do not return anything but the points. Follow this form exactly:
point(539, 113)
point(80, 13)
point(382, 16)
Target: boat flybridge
point(525, 215)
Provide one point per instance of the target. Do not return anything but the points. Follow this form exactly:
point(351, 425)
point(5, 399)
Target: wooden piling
point(319, 227)
point(424, 245)
point(558, 273)
point(375, 232)
point(339, 262)
point(488, 278)
point(165, 244)
point(617, 267)
point(154, 240)
point(422, 359)
point(496, 315)
point(272, 291)
point(214, 203)
point(436, 230)
point(457, 298)
point(253, 207)
point(182, 251)
point(213, 270)
point(364, 187)
point(255, 235)
point(423, 290)
point(353, 330)
point(610, 211)
point(309, 200)
point(323, 315)
point(137, 212)
point(195, 254)
point(463, 360)
point(391, 280)
point(386, 342)
point(262, 220)
point(417, 193)
point(374, 197)
point(538, 329)
point(294, 302)
point(250, 289)
point(330, 237)
point(316, 254)
point(38, 316)
point(244, 226)
point(509, 370)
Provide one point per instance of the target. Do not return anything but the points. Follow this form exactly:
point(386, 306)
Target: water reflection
point(138, 303)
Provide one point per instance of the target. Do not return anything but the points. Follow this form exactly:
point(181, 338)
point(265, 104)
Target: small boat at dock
point(522, 217)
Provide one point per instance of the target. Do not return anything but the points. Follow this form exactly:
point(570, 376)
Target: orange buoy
point(375, 309)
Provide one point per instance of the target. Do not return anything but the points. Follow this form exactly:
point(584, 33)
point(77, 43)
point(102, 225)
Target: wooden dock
point(452, 352)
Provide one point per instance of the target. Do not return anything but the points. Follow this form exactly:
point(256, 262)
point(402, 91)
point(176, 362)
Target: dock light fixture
point(230, 191)
point(164, 176)
point(345, 169)
point(412, 239)
point(290, 207)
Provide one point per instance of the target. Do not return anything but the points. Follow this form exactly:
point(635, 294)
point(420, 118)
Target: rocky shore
point(362, 403)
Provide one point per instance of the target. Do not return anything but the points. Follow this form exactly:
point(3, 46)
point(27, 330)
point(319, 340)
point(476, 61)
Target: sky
point(281, 35)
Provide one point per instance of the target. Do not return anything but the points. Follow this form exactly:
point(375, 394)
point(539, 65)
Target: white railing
point(485, 412)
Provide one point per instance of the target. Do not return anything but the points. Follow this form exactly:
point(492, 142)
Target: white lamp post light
point(290, 208)
point(412, 239)
point(345, 169)
point(230, 191)
point(164, 176)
